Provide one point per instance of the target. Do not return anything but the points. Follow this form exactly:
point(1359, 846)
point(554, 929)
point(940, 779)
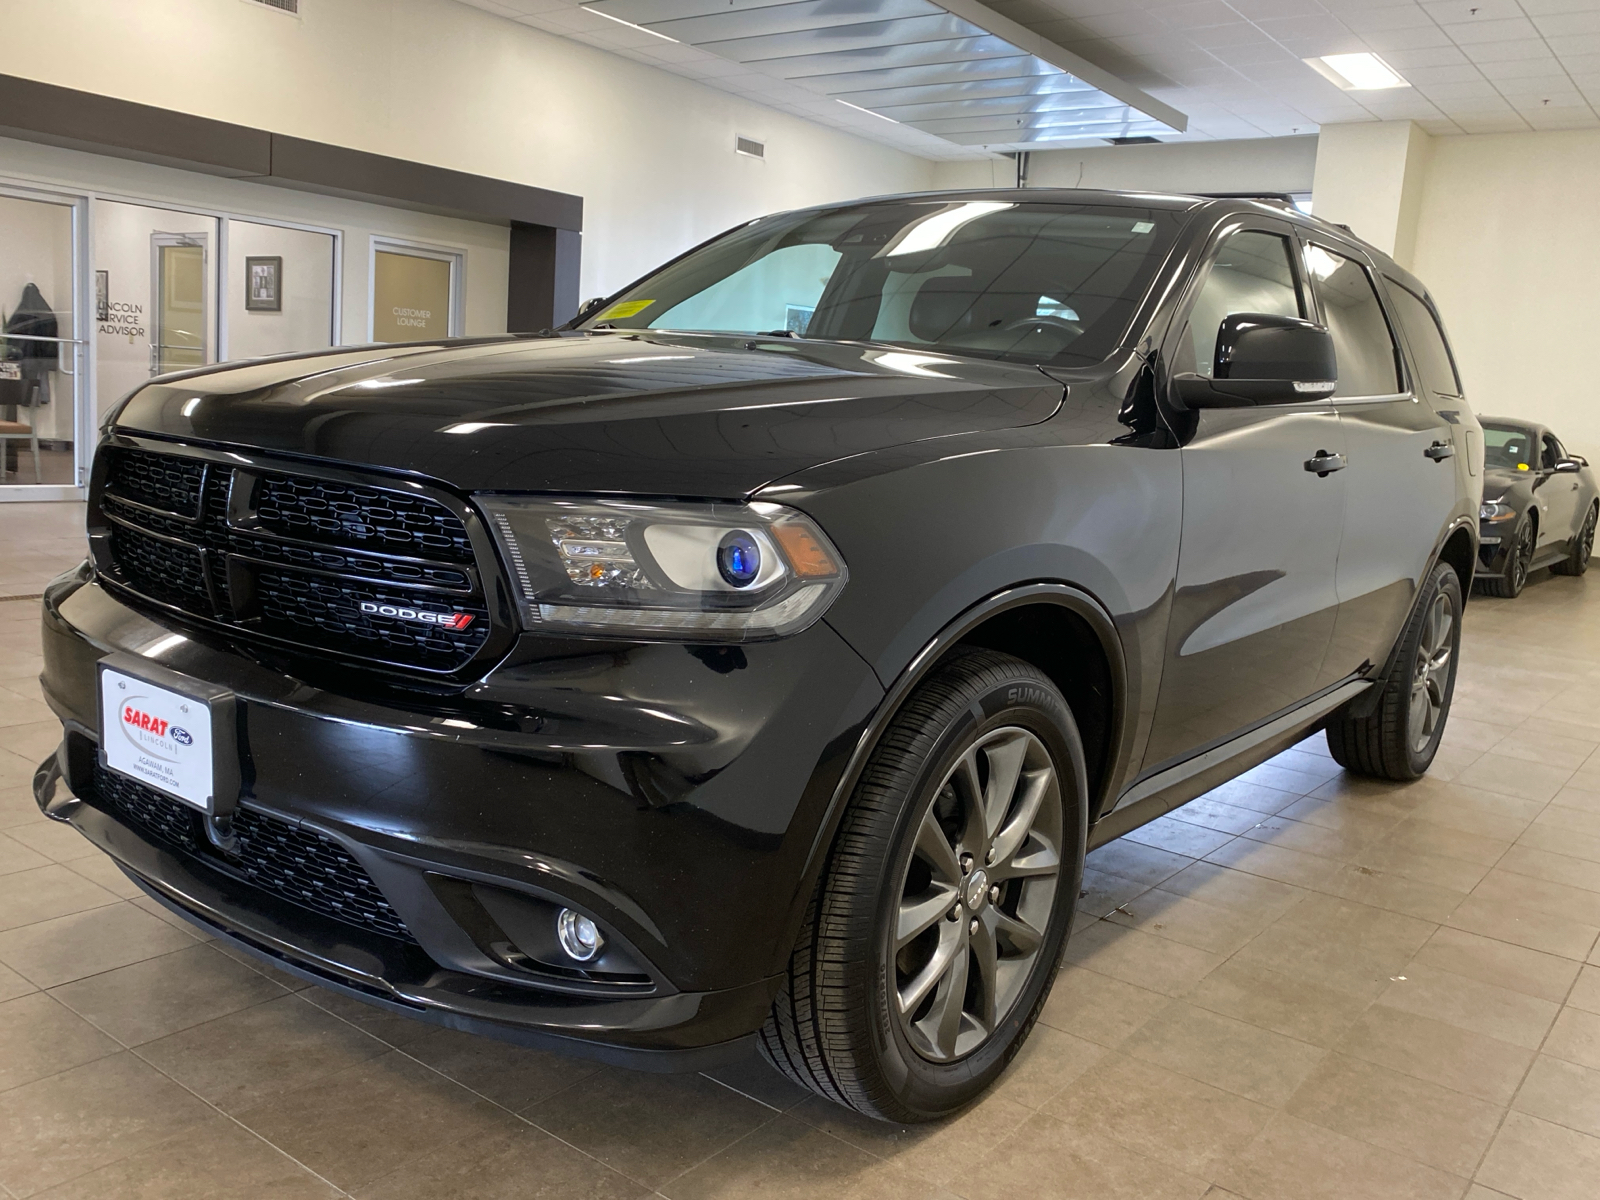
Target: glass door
point(41, 344)
point(156, 294)
point(180, 272)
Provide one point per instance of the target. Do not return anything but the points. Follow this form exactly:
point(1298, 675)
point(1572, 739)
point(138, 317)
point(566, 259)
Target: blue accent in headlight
point(739, 559)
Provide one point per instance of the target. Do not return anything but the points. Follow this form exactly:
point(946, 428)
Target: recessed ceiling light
point(1362, 72)
point(630, 24)
point(868, 111)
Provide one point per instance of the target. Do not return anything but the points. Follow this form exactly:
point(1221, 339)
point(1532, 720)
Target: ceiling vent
point(288, 6)
point(749, 146)
point(1134, 141)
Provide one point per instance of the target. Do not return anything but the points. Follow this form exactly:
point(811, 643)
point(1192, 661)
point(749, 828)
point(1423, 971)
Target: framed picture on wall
point(263, 283)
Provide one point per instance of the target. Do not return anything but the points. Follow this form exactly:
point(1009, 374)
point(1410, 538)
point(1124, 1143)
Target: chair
point(14, 394)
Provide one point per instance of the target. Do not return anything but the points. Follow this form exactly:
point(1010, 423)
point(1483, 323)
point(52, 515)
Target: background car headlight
point(680, 572)
point(1493, 510)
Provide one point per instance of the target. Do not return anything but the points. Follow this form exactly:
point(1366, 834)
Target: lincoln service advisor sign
point(159, 737)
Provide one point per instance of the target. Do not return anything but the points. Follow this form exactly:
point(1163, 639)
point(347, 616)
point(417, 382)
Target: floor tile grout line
point(134, 1051)
point(1505, 1109)
point(94, 974)
point(738, 1092)
point(1522, 1082)
point(487, 1099)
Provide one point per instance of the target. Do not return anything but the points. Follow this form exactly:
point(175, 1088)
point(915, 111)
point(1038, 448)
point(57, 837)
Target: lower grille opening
point(279, 857)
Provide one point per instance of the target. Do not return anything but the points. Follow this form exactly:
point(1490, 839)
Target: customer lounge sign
point(410, 297)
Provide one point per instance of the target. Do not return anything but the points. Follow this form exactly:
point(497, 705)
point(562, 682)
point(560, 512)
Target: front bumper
point(673, 794)
point(1492, 541)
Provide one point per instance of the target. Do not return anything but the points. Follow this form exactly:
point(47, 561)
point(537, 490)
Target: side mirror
point(1567, 466)
point(1263, 359)
point(588, 308)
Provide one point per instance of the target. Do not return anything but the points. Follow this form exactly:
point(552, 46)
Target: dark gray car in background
point(1540, 506)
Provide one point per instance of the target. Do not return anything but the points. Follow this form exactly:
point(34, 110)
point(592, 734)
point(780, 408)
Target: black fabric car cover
point(34, 317)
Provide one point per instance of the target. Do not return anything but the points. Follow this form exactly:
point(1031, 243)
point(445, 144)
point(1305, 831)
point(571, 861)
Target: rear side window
point(1253, 273)
point(1434, 364)
point(1368, 365)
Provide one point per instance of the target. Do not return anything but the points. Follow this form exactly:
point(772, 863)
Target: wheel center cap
point(977, 889)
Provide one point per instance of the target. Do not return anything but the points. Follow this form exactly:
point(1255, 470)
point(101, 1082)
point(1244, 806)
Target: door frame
point(81, 345)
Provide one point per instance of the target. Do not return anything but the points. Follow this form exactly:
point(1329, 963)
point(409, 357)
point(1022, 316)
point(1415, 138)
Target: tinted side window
point(1361, 338)
point(1434, 364)
point(1552, 453)
point(1253, 273)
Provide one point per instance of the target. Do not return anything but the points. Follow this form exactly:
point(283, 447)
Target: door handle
point(1439, 451)
point(1325, 464)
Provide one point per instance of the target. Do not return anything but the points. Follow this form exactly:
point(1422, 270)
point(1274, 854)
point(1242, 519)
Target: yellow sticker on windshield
point(624, 308)
point(1522, 466)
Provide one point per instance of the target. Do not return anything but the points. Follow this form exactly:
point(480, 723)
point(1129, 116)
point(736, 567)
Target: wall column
point(1370, 177)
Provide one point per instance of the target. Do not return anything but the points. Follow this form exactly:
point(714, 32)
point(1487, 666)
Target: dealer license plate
point(158, 736)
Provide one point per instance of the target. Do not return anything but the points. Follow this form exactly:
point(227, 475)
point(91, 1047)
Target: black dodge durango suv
point(755, 658)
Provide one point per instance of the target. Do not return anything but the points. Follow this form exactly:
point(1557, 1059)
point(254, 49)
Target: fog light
point(578, 935)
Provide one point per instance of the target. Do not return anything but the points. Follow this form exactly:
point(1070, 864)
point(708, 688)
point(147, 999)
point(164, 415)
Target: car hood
point(1496, 481)
point(647, 414)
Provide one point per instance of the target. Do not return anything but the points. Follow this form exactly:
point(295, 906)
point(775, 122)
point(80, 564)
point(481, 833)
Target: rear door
point(1255, 600)
point(1400, 488)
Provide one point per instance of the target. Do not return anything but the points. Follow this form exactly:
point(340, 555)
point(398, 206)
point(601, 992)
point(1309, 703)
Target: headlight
point(1493, 510)
point(678, 572)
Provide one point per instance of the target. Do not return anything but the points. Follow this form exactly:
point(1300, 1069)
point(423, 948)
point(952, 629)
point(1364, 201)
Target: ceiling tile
point(1561, 25)
point(1468, 33)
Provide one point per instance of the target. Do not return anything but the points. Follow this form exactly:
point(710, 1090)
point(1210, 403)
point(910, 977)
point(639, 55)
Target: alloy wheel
point(977, 894)
point(1430, 679)
point(1521, 556)
point(1586, 538)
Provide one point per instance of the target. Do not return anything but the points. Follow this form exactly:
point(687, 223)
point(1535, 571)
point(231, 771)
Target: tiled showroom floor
point(1301, 985)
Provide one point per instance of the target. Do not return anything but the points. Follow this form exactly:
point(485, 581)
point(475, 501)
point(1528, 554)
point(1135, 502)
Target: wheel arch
point(1460, 550)
point(1002, 621)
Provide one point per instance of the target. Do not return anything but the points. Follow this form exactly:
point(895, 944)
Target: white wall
point(447, 84)
point(1259, 164)
point(1370, 177)
point(305, 318)
point(1507, 243)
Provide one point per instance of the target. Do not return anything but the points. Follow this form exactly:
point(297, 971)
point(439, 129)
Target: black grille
point(158, 480)
point(288, 860)
point(171, 572)
point(296, 558)
point(361, 517)
point(327, 611)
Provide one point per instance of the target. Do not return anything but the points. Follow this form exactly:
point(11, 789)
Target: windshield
point(1508, 447)
point(1036, 283)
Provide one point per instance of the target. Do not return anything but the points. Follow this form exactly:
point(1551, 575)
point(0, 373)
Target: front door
point(1400, 489)
point(1557, 494)
point(1255, 600)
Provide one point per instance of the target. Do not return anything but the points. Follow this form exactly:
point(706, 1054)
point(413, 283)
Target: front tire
point(936, 929)
point(1398, 738)
point(1508, 584)
point(1577, 560)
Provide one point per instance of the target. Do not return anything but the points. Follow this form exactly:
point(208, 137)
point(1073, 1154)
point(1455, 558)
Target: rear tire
point(1577, 560)
point(1508, 584)
point(1398, 738)
point(936, 929)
